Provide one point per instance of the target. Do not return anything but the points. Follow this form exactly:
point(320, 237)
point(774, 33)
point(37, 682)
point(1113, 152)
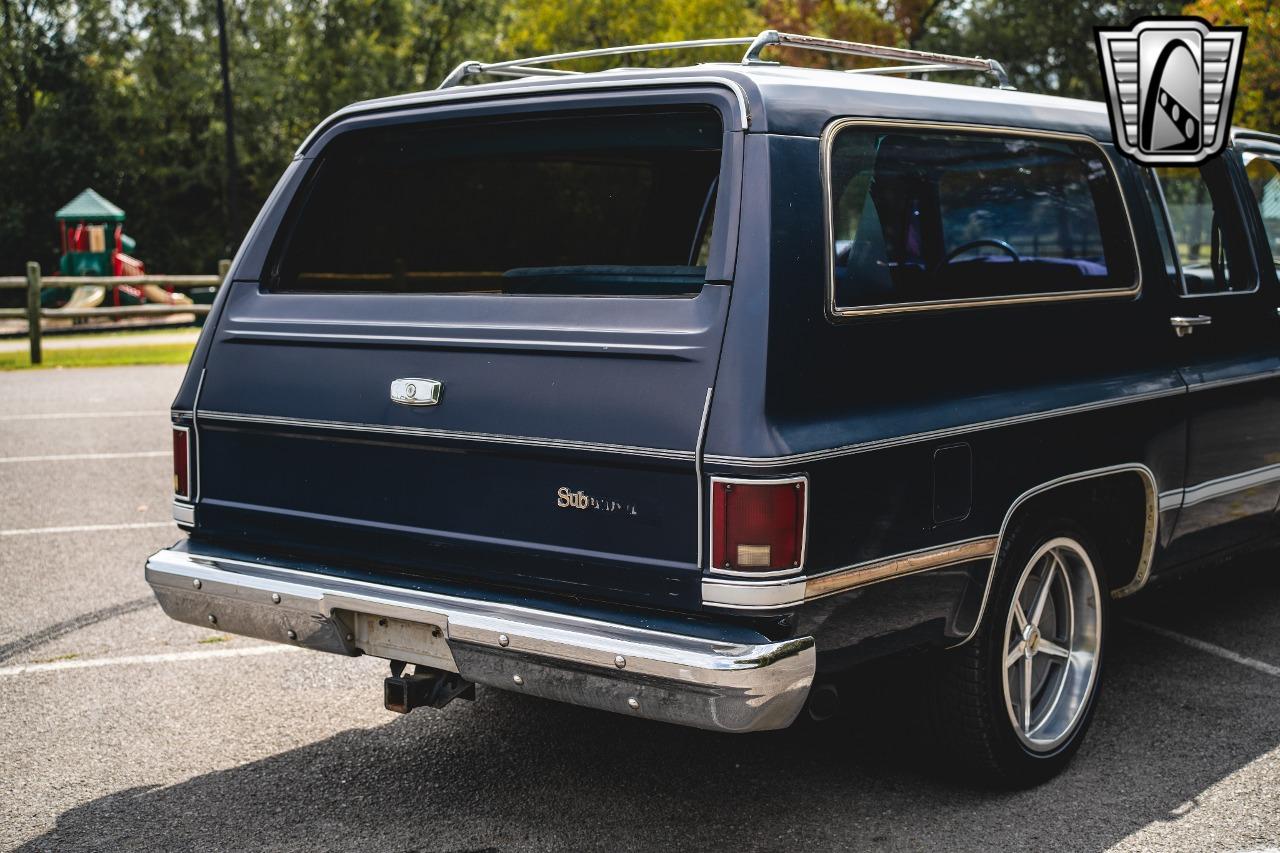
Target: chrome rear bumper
point(675, 678)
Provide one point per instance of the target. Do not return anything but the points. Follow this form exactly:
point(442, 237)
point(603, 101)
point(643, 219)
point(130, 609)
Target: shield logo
point(1171, 84)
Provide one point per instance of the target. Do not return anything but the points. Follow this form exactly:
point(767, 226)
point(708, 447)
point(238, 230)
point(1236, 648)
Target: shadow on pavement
point(510, 772)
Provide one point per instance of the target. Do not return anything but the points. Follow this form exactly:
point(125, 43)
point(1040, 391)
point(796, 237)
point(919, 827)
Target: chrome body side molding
point(932, 435)
point(674, 678)
point(1223, 486)
point(772, 594)
point(453, 435)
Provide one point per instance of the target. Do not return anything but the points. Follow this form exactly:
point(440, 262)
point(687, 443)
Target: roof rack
point(917, 60)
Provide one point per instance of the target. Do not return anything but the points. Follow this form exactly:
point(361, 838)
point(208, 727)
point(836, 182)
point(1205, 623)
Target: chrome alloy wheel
point(1052, 638)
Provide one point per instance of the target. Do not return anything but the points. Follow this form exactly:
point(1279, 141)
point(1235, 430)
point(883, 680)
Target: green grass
point(101, 356)
point(107, 337)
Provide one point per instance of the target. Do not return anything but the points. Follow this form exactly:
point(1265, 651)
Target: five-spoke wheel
point(1051, 636)
point(1014, 702)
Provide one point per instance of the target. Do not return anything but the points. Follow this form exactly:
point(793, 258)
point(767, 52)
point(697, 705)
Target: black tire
point(975, 727)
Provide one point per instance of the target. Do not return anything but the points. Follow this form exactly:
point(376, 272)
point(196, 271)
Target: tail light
point(181, 462)
point(758, 526)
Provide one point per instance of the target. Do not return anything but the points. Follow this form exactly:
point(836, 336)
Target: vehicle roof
point(794, 100)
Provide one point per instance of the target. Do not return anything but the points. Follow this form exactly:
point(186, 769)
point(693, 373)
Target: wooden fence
point(33, 283)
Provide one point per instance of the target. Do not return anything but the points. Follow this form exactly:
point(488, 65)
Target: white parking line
point(75, 457)
point(135, 660)
point(60, 416)
point(85, 528)
point(1210, 648)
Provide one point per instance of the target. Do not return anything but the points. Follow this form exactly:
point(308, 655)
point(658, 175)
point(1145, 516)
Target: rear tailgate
point(574, 358)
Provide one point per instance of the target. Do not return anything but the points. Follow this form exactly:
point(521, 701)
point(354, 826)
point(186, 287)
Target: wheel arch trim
point(1151, 527)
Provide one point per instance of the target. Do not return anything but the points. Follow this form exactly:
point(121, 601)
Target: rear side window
point(1264, 180)
point(923, 217)
point(1205, 226)
point(616, 204)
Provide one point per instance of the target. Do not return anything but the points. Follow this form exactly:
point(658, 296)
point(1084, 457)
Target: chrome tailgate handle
point(1184, 326)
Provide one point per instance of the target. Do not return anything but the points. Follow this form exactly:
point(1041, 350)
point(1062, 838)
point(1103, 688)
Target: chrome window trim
point(791, 592)
point(453, 435)
point(836, 311)
point(948, 432)
point(759, 481)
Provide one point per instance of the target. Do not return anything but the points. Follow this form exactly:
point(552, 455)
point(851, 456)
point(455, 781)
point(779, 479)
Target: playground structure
point(94, 244)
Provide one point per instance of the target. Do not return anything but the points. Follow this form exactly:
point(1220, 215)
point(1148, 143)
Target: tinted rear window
point(616, 204)
point(924, 216)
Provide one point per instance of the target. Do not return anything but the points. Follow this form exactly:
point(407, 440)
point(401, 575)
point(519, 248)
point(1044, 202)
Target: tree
point(1258, 100)
point(1046, 45)
point(535, 27)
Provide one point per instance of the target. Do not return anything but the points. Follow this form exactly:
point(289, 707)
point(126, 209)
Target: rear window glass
point(616, 204)
point(924, 216)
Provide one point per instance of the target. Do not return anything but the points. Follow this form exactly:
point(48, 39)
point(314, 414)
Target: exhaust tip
point(824, 702)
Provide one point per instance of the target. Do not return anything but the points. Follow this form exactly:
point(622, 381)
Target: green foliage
point(100, 356)
point(124, 95)
point(1046, 45)
point(1258, 101)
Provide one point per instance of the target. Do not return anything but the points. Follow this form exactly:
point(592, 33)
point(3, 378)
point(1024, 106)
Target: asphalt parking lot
point(120, 730)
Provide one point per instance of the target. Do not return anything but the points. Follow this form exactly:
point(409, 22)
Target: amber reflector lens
point(757, 527)
point(181, 464)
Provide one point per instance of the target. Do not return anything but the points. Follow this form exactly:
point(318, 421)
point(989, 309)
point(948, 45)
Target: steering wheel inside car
point(975, 244)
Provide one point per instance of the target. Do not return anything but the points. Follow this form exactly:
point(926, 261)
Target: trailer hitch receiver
point(425, 687)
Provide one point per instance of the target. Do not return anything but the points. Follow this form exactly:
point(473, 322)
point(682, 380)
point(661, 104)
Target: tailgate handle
point(416, 392)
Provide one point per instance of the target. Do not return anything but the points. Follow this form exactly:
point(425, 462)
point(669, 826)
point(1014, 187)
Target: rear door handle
point(1184, 326)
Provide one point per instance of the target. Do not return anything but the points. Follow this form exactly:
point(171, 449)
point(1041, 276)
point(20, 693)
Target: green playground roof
point(90, 207)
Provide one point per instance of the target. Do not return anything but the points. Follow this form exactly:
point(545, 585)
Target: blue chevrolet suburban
point(682, 392)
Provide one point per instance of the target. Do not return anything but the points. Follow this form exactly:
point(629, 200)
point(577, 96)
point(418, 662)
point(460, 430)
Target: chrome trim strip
point(1234, 380)
point(184, 513)
point(697, 471)
point(1143, 571)
point(453, 435)
point(671, 351)
point(946, 432)
point(829, 134)
point(804, 530)
point(195, 427)
point(677, 678)
point(1223, 486)
point(792, 592)
point(1170, 500)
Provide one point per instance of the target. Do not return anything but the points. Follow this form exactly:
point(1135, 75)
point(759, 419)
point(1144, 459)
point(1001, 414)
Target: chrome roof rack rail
point(918, 60)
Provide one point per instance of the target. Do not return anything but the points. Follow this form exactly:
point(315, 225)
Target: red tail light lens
point(181, 463)
point(757, 526)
